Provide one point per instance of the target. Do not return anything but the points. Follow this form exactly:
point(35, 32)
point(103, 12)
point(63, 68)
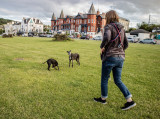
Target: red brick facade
point(92, 22)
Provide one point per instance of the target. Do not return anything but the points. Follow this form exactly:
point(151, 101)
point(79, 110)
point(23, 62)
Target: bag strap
point(119, 35)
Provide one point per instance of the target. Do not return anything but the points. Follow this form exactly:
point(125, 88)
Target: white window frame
point(88, 20)
point(88, 28)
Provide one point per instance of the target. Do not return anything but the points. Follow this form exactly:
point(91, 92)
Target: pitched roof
point(26, 20)
point(136, 32)
point(80, 15)
point(92, 10)
point(102, 16)
point(68, 16)
point(61, 15)
point(53, 17)
point(17, 23)
point(36, 21)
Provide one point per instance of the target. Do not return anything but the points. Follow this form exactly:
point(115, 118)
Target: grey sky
point(134, 10)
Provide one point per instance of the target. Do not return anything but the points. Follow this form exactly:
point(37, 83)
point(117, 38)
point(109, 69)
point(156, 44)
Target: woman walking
point(113, 49)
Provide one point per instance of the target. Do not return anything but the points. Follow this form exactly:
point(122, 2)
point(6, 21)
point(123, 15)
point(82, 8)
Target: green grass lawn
point(29, 91)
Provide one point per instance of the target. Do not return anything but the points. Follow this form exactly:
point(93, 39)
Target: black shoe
point(128, 105)
point(100, 100)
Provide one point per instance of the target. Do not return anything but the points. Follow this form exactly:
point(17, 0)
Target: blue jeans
point(115, 64)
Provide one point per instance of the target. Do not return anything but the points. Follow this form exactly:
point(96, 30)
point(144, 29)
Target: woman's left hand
point(102, 50)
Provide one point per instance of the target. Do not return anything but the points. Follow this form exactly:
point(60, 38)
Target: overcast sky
point(134, 10)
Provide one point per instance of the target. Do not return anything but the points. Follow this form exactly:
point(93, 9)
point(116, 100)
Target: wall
point(127, 34)
point(143, 35)
point(125, 23)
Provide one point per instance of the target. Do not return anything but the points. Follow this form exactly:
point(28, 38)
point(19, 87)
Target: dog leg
point(78, 61)
point(49, 66)
point(69, 62)
point(53, 65)
point(72, 63)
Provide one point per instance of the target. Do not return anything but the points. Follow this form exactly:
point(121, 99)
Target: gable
point(78, 17)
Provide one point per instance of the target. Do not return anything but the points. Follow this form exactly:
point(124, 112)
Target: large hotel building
point(91, 23)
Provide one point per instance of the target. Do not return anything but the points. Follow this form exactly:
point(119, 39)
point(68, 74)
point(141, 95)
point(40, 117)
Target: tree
point(147, 27)
point(132, 29)
point(4, 21)
point(2, 31)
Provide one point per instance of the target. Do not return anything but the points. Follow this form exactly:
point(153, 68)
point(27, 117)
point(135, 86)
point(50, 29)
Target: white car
point(71, 36)
point(98, 38)
point(49, 36)
point(25, 35)
point(130, 39)
point(148, 41)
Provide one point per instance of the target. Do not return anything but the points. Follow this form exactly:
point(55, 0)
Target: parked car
point(130, 39)
point(24, 35)
point(60, 32)
point(136, 38)
point(42, 35)
point(85, 37)
point(49, 36)
point(19, 33)
point(148, 41)
point(30, 34)
point(71, 36)
point(98, 38)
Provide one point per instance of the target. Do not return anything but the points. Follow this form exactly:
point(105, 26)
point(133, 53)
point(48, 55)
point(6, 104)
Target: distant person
point(113, 49)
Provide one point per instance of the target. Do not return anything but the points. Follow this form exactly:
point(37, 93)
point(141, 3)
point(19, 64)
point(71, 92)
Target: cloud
point(135, 11)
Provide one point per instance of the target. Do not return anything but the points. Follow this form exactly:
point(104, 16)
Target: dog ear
point(70, 50)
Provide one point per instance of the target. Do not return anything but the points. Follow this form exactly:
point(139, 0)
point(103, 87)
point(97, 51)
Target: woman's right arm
point(106, 37)
point(125, 43)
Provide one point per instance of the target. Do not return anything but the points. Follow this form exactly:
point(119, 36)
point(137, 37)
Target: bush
point(7, 36)
point(2, 31)
point(61, 37)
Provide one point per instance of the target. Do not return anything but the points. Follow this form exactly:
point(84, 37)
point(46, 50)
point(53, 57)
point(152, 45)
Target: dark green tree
point(132, 29)
point(147, 27)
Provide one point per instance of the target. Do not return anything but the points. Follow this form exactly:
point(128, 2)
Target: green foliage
point(2, 31)
point(4, 21)
point(147, 27)
point(46, 28)
point(67, 33)
point(29, 91)
point(132, 29)
point(61, 37)
point(7, 36)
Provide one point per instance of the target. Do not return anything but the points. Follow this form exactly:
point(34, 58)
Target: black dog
point(53, 62)
point(72, 57)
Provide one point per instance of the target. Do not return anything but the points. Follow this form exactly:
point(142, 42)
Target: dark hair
point(112, 17)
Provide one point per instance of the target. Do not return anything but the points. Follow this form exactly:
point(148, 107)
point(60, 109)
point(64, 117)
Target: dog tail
point(44, 62)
